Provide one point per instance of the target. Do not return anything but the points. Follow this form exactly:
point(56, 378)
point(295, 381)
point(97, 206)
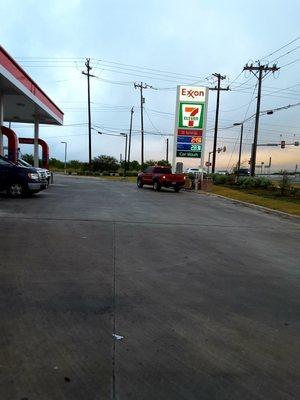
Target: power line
point(285, 54)
point(280, 48)
point(236, 78)
point(290, 63)
point(154, 127)
point(124, 66)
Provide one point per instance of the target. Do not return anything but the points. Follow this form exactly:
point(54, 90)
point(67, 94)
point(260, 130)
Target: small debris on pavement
point(117, 337)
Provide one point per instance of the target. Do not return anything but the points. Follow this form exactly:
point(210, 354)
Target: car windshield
point(5, 161)
point(25, 163)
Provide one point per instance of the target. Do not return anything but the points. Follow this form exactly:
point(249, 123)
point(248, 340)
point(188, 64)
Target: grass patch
point(260, 197)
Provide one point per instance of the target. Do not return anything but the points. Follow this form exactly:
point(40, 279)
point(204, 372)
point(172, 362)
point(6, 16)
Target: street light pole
point(125, 162)
point(66, 145)
point(167, 151)
point(129, 143)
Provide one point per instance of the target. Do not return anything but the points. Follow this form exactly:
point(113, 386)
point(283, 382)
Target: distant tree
point(28, 158)
point(149, 163)
point(55, 163)
point(163, 163)
point(105, 163)
point(75, 164)
point(134, 166)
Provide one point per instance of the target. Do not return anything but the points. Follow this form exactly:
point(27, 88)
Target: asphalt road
point(204, 291)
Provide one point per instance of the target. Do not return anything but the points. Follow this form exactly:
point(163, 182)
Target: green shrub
point(263, 182)
point(132, 173)
point(248, 182)
point(220, 179)
point(285, 184)
point(105, 173)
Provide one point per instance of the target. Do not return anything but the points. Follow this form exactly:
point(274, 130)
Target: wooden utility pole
point(260, 72)
point(88, 75)
point(218, 89)
point(142, 86)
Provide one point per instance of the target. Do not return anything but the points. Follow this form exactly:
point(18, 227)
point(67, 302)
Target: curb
point(262, 208)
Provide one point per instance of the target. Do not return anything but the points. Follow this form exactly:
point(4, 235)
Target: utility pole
point(241, 143)
point(142, 86)
point(167, 151)
point(88, 75)
point(218, 88)
point(130, 130)
point(260, 72)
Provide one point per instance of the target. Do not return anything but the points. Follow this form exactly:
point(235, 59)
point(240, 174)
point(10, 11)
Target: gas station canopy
point(22, 99)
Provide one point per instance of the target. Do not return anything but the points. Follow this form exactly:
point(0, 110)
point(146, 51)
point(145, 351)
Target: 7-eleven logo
point(190, 115)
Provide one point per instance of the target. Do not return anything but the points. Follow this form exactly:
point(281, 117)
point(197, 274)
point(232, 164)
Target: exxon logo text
point(192, 93)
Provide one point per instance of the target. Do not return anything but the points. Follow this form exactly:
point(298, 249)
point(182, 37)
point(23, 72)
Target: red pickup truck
point(159, 177)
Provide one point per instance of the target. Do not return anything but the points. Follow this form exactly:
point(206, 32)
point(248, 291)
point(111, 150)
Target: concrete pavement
point(204, 291)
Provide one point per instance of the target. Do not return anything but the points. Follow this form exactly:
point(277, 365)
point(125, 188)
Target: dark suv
point(18, 181)
point(242, 172)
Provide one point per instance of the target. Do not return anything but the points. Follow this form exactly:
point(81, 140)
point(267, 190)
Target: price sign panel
point(190, 124)
point(189, 146)
point(189, 139)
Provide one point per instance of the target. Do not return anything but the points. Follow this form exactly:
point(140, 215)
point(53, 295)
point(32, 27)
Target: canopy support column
point(1, 123)
point(36, 141)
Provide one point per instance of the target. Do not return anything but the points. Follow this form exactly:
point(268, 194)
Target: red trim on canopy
point(12, 67)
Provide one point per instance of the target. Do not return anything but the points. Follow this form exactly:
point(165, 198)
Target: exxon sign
point(192, 93)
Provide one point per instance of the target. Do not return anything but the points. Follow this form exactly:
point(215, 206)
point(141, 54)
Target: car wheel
point(177, 189)
point(139, 183)
point(156, 186)
point(16, 190)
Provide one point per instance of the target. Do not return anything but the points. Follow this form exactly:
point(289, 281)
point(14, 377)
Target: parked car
point(159, 177)
point(45, 173)
point(242, 172)
point(195, 171)
point(17, 180)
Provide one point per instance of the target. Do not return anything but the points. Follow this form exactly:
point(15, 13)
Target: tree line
point(101, 163)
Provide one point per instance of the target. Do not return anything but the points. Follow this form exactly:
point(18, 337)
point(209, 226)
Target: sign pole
point(175, 130)
point(204, 135)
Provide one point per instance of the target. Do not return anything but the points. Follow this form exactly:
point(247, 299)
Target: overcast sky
point(162, 43)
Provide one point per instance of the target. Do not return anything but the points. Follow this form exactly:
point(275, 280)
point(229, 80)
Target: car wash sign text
point(190, 121)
